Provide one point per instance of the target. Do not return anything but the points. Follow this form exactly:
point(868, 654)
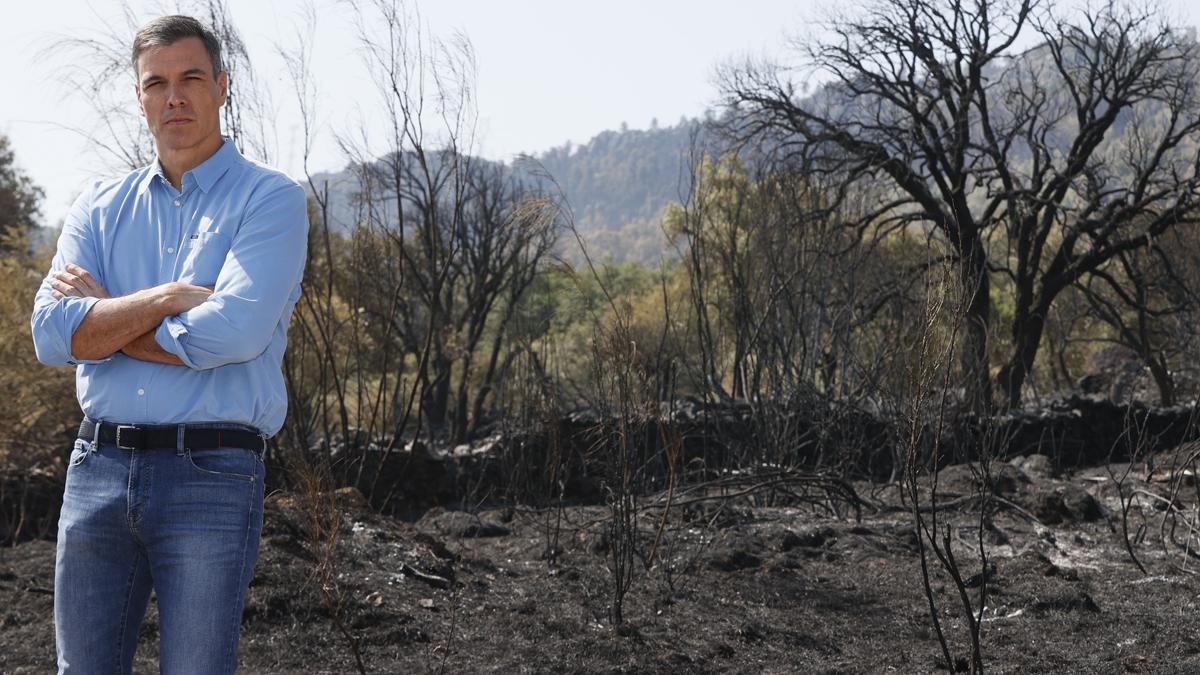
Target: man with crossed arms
point(170, 292)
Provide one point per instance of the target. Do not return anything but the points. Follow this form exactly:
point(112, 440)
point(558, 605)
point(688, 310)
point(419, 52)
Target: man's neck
point(175, 163)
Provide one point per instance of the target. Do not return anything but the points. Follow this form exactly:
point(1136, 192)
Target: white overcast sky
point(549, 71)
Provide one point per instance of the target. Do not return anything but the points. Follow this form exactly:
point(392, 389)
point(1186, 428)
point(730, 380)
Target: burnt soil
point(737, 585)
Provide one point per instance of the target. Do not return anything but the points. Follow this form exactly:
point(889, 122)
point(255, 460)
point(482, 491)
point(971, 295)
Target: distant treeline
point(617, 185)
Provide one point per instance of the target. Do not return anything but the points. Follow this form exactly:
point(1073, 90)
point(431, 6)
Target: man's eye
point(151, 85)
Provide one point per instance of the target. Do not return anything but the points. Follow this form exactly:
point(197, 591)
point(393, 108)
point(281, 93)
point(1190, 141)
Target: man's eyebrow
point(151, 78)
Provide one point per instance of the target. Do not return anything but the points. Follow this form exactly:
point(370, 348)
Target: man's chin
point(179, 139)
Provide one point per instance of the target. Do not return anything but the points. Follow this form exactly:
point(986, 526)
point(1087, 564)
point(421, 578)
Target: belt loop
point(180, 432)
point(96, 435)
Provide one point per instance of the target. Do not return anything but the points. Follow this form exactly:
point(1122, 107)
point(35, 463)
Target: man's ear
point(223, 83)
point(137, 94)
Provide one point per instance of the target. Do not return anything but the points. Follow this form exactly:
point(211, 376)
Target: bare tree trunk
point(1027, 337)
point(976, 286)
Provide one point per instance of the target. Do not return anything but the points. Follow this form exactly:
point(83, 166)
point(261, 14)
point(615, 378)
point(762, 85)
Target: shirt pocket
point(203, 256)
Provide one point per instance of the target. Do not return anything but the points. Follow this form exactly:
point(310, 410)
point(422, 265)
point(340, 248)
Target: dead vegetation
point(786, 450)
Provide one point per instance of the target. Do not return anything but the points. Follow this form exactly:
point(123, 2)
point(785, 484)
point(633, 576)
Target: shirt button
point(141, 392)
point(170, 249)
point(177, 202)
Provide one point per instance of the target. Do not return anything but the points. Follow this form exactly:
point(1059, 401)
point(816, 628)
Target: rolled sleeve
point(54, 322)
point(53, 327)
point(171, 335)
point(262, 268)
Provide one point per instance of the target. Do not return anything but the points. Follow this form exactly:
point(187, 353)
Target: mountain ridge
point(617, 185)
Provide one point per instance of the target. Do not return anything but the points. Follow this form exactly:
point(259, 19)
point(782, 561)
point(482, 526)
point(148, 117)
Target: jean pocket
point(79, 453)
point(232, 463)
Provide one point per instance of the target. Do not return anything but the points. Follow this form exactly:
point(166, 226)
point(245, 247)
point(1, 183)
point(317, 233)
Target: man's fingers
point(82, 280)
point(56, 295)
point(83, 275)
point(78, 283)
point(64, 288)
point(70, 279)
point(70, 284)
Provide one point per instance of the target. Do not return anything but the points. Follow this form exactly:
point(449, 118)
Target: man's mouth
point(176, 121)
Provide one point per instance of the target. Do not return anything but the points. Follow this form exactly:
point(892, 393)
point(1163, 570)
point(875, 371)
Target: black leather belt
point(146, 437)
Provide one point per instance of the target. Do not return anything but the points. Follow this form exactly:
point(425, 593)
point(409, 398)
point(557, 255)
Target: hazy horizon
point(548, 73)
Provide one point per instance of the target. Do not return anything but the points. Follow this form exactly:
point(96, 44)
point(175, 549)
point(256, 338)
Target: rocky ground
point(797, 586)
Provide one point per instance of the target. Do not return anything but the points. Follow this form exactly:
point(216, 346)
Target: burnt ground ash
point(753, 588)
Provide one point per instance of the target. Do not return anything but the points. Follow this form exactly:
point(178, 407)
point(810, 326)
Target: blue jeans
point(185, 523)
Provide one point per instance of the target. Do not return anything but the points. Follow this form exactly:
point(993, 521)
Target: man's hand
point(77, 282)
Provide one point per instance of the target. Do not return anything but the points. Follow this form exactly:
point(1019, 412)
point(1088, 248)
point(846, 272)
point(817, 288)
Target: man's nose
point(175, 97)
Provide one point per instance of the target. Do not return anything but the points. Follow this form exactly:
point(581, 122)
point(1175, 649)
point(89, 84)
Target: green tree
point(40, 402)
point(19, 197)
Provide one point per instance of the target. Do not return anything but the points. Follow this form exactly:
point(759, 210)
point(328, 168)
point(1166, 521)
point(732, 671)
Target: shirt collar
point(205, 175)
point(153, 172)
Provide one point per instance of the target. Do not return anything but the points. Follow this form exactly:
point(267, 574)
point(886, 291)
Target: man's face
point(180, 95)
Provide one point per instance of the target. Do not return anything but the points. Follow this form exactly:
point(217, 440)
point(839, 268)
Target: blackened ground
point(735, 587)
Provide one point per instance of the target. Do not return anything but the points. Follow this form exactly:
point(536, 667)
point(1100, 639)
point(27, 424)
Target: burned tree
point(448, 243)
point(1148, 299)
point(1031, 169)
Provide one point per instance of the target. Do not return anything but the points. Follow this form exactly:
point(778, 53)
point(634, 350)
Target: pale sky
point(549, 71)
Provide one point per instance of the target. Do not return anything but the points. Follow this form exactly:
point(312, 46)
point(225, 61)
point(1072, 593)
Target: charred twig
point(431, 579)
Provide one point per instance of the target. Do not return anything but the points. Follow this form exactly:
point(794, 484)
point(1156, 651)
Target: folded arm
point(56, 317)
point(120, 324)
point(126, 323)
point(74, 319)
point(264, 263)
point(145, 348)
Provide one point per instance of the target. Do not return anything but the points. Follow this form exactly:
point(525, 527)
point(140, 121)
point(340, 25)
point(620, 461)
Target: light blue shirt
point(236, 225)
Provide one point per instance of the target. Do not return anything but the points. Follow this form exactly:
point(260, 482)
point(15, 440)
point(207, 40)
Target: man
point(171, 293)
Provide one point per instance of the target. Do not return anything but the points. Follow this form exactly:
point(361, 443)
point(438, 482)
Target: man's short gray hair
point(167, 30)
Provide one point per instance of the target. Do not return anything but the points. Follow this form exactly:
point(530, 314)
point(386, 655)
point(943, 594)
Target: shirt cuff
point(170, 335)
point(77, 310)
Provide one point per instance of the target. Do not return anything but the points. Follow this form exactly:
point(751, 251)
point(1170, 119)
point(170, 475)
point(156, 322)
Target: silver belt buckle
point(129, 433)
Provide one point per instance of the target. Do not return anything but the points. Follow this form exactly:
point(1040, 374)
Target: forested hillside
point(617, 184)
